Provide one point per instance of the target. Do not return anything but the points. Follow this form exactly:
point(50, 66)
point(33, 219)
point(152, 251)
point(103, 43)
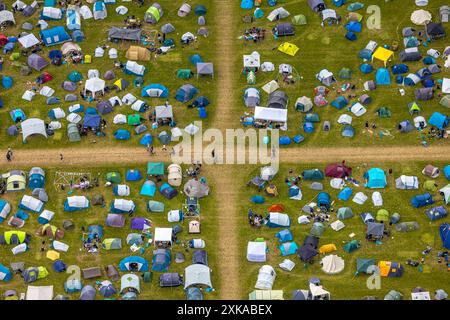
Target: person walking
point(9, 154)
point(61, 157)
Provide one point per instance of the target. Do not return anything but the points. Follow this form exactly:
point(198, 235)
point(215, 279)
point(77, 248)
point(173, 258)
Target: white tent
point(120, 119)
point(175, 175)
point(128, 99)
point(425, 295)
point(252, 60)
point(420, 121)
point(407, 182)
point(332, 264)
point(337, 183)
point(280, 219)
point(135, 68)
point(21, 248)
point(318, 292)
point(129, 281)
point(445, 192)
point(271, 114)
point(278, 13)
point(359, 198)
point(47, 215)
point(73, 118)
point(267, 66)
point(271, 86)
point(287, 265)
point(94, 85)
point(54, 125)
point(266, 278)
point(39, 293)
point(421, 17)
point(358, 109)
point(31, 127)
point(86, 12)
point(197, 274)
point(345, 119)
point(446, 84)
point(46, 91)
point(266, 295)
point(124, 205)
point(123, 190)
point(256, 251)
point(163, 112)
point(337, 225)
point(7, 16)
point(163, 235)
point(377, 199)
point(60, 246)
point(78, 202)
point(304, 219)
point(28, 95)
point(267, 173)
point(28, 41)
point(191, 129)
point(52, 13)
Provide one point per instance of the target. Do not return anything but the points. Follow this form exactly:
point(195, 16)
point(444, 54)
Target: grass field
point(162, 70)
point(97, 215)
point(326, 47)
point(346, 285)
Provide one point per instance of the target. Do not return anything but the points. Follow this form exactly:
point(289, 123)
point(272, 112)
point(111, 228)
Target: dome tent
point(153, 13)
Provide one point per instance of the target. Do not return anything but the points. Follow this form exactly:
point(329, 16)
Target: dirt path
point(122, 155)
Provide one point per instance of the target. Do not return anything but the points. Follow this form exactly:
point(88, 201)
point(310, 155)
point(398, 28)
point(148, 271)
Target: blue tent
point(428, 60)
point(133, 263)
point(288, 248)
point(339, 3)
point(376, 178)
point(345, 194)
point(348, 131)
point(247, 4)
point(148, 189)
point(17, 114)
point(366, 68)
point(122, 134)
point(55, 54)
point(5, 274)
point(95, 230)
point(78, 36)
point(339, 103)
point(422, 200)
point(5, 209)
point(7, 82)
point(36, 180)
point(202, 113)
point(200, 102)
point(75, 76)
point(447, 171)
point(133, 175)
point(353, 26)
point(284, 141)
point(308, 127)
point(185, 93)
point(351, 36)
point(438, 120)
point(399, 69)
point(167, 191)
point(257, 199)
point(436, 213)
point(444, 231)
point(399, 79)
point(195, 58)
point(323, 199)
point(146, 139)
point(161, 260)
point(54, 36)
point(92, 121)
point(383, 77)
point(155, 90)
point(284, 236)
point(59, 266)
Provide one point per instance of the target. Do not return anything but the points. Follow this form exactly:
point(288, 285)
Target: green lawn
point(163, 71)
point(326, 47)
point(97, 215)
point(346, 285)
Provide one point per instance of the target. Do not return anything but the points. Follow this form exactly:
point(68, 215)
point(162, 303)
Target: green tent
point(363, 264)
point(184, 73)
point(393, 295)
point(382, 215)
point(112, 244)
point(299, 20)
point(445, 101)
point(317, 229)
point(313, 174)
point(352, 246)
point(113, 177)
point(414, 108)
point(345, 73)
point(384, 112)
point(155, 168)
point(134, 119)
point(73, 133)
point(344, 213)
point(311, 117)
point(155, 206)
point(430, 185)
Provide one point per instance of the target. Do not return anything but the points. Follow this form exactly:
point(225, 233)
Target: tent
point(76, 203)
point(28, 40)
point(5, 273)
point(422, 200)
point(277, 14)
point(390, 269)
point(439, 120)
point(36, 178)
point(129, 281)
point(278, 100)
point(185, 93)
point(99, 10)
point(344, 213)
point(137, 53)
point(36, 62)
point(117, 34)
point(122, 206)
point(5, 209)
point(332, 264)
point(133, 68)
point(134, 264)
point(54, 36)
point(256, 251)
point(374, 230)
point(383, 77)
point(299, 19)
point(39, 293)
point(444, 232)
point(161, 260)
point(271, 114)
point(382, 54)
point(326, 77)
point(94, 85)
point(407, 226)
point(284, 29)
point(363, 265)
point(73, 133)
point(115, 220)
point(278, 220)
point(445, 193)
point(435, 31)
point(375, 178)
point(288, 48)
point(266, 278)
point(205, 68)
point(407, 182)
point(196, 275)
point(196, 188)
point(266, 294)
point(153, 13)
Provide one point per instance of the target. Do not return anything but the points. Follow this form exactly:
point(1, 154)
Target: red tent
point(338, 171)
point(45, 77)
point(3, 39)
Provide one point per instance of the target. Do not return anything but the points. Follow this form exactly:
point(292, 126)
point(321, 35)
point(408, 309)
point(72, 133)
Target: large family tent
point(407, 182)
point(185, 93)
point(266, 278)
point(117, 34)
point(133, 68)
point(134, 264)
point(444, 231)
point(122, 206)
point(197, 275)
point(31, 127)
point(54, 36)
point(153, 13)
point(422, 200)
point(375, 178)
point(155, 90)
point(31, 204)
point(99, 10)
point(256, 251)
point(76, 203)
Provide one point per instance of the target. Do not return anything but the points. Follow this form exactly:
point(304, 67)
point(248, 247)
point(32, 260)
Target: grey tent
point(41, 194)
point(434, 68)
point(200, 257)
point(167, 28)
point(140, 129)
point(195, 188)
point(435, 30)
point(25, 71)
point(410, 54)
point(317, 5)
point(424, 93)
point(316, 186)
point(203, 31)
point(68, 225)
point(365, 99)
point(393, 295)
point(88, 293)
point(284, 29)
point(205, 68)
point(104, 107)
point(109, 75)
point(278, 99)
point(408, 32)
point(370, 85)
point(69, 86)
point(37, 62)
point(98, 200)
point(251, 97)
point(71, 97)
point(115, 220)
point(112, 273)
point(29, 10)
point(73, 133)
point(440, 295)
point(201, 21)
point(444, 13)
point(27, 26)
point(407, 226)
point(117, 33)
point(13, 131)
point(164, 137)
point(179, 257)
point(90, 273)
point(170, 280)
point(375, 230)
point(345, 73)
point(405, 126)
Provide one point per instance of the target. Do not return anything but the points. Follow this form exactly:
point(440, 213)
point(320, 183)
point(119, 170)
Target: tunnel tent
point(197, 275)
point(31, 127)
point(185, 9)
point(137, 53)
point(153, 13)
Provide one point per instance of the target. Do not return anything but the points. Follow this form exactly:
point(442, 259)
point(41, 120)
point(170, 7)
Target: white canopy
point(28, 41)
point(163, 235)
point(31, 127)
point(256, 251)
point(39, 293)
point(94, 85)
point(271, 114)
point(197, 274)
point(332, 264)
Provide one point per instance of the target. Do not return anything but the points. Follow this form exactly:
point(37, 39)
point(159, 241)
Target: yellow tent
point(382, 54)
point(327, 248)
point(53, 255)
point(288, 48)
point(137, 53)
